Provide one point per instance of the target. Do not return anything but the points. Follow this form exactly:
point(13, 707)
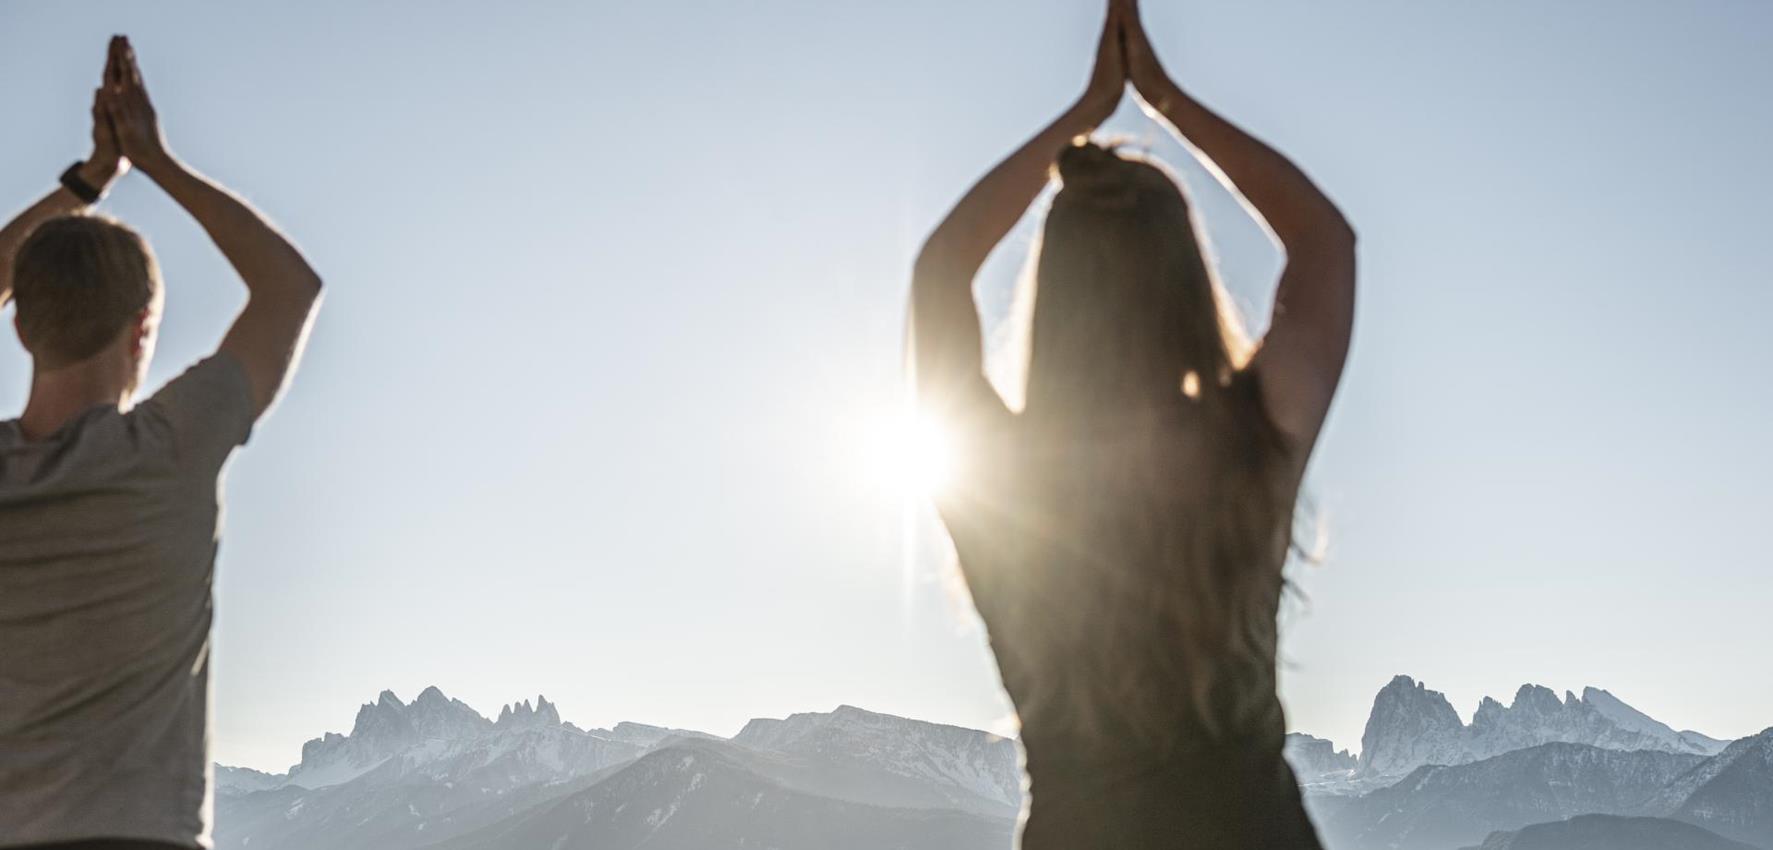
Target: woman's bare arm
point(947, 344)
point(1300, 360)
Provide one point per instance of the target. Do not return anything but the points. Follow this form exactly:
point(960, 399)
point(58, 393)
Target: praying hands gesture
point(1301, 358)
point(124, 106)
point(106, 163)
point(282, 289)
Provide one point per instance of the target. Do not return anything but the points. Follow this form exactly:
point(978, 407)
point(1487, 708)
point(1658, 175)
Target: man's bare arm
point(99, 171)
point(283, 291)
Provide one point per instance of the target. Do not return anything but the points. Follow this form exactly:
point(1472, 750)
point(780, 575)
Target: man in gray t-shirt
point(109, 510)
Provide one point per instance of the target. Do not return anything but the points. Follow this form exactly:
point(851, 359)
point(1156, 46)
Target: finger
point(133, 68)
point(1115, 25)
point(117, 71)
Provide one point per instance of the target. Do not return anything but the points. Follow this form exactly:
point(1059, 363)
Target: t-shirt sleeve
point(207, 412)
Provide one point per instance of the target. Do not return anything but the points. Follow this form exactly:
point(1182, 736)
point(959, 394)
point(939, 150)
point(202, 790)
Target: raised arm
point(1300, 360)
point(282, 290)
point(946, 341)
point(99, 171)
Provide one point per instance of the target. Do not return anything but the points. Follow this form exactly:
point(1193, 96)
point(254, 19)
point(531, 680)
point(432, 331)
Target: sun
point(913, 454)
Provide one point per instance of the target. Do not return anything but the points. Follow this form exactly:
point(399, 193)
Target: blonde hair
point(1124, 315)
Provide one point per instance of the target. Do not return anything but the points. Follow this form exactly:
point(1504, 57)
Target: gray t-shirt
point(108, 532)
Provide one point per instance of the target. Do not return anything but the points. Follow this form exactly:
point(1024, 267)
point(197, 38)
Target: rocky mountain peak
point(1411, 726)
point(522, 715)
point(1316, 759)
point(430, 696)
point(383, 719)
point(1537, 699)
point(446, 736)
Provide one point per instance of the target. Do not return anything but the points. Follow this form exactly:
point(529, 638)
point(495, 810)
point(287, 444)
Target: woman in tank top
point(1123, 533)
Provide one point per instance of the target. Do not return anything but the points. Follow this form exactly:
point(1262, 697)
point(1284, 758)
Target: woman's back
point(1082, 549)
point(1123, 536)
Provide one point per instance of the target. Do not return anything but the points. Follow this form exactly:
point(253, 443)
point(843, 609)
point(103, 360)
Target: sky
point(601, 402)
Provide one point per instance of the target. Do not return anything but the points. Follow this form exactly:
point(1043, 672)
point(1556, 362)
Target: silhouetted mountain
point(1730, 793)
point(1608, 832)
point(1439, 807)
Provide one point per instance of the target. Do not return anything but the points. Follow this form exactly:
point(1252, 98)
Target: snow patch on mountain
point(1634, 720)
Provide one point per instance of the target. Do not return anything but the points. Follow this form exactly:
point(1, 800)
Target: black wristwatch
point(73, 182)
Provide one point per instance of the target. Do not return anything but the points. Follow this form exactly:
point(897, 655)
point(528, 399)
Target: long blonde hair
point(1128, 316)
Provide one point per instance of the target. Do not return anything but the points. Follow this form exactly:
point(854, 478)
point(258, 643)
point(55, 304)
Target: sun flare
point(914, 455)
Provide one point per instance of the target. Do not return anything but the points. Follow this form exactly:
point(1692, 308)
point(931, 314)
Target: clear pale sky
point(613, 328)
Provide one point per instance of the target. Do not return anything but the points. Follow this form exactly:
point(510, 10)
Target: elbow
point(302, 294)
point(1332, 242)
point(1337, 234)
point(305, 298)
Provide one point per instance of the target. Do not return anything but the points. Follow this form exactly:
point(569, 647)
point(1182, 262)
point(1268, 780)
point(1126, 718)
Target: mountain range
point(1542, 773)
point(1525, 775)
point(434, 772)
point(1610, 832)
point(1411, 726)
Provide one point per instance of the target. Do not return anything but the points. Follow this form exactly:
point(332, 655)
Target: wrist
point(160, 166)
point(1094, 108)
point(1157, 88)
point(100, 172)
